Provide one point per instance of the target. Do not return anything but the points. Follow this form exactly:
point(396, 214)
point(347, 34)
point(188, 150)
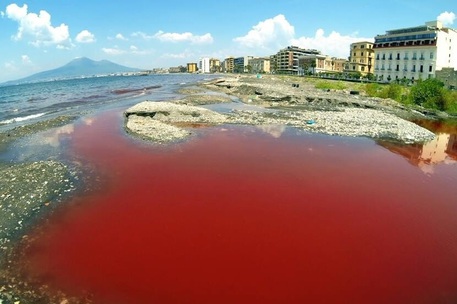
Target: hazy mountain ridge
point(79, 67)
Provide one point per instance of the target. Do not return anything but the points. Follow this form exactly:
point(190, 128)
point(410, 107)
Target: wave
point(125, 91)
point(21, 118)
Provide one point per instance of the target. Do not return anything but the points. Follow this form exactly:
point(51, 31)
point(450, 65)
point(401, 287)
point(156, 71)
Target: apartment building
point(241, 64)
point(229, 64)
point(339, 64)
point(214, 65)
point(286, 60)
point(361, 58)
point(204, 66)
point(192, 67)
point(317, 63)
point(415, 52)
point(259, 65)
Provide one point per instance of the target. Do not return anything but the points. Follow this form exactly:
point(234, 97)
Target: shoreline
point(276, 101)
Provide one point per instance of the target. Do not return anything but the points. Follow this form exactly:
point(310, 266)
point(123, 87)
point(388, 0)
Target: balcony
point(405, 58)
point(414, 58)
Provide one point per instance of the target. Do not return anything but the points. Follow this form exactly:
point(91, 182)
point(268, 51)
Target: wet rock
point(158, 121)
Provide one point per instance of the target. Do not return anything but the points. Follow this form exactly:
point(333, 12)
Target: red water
point(236, 215)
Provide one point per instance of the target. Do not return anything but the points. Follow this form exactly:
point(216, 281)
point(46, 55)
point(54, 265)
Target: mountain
point(79, 67)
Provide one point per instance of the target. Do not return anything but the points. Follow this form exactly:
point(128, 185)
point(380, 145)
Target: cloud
point(113, 51)
point(85, 37)
point(119, 36)
point(276, 33)
point(25, 59)
point(447, 18)
point(37, 27)
point(269, 34)
point(335, 44)
point(142, 35)
point(183, 37)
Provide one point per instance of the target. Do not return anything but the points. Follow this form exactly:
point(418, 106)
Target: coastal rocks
point(25, 190)
point(165, 121)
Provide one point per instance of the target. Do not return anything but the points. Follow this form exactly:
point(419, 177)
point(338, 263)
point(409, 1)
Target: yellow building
point(361, 58)
point(214, 65)
point(229, 64)
point(192, 67)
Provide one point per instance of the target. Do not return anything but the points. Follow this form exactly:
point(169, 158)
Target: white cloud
point(37, 27)
point(269, 34)
point(120, 37)
point(85, 37)
point(113, 51)
point(26, 59)
point(335, 44)
point(447, 18)
point(183, 37)
point(142, 35)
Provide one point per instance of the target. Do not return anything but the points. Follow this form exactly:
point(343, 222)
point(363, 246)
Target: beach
point(31, 190)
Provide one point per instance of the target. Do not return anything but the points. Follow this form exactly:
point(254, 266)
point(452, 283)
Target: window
point(361, 54)
point(430, 68)
point(421, 68)
point(431, 55)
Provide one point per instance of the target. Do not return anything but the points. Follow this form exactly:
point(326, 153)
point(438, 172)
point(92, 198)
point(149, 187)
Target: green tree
point(428, 93)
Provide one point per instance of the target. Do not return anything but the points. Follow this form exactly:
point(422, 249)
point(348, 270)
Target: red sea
point(244, 214)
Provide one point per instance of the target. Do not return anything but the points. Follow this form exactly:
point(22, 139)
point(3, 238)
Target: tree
point(428, 93)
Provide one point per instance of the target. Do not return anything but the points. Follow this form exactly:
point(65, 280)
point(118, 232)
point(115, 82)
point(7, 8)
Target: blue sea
point(25, 103)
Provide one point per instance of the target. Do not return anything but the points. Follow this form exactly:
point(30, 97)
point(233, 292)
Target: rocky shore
point(278, 102)
point(30, 189)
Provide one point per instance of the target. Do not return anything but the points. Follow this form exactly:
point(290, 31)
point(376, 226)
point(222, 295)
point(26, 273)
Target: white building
point(204, 65)
point(416, 52)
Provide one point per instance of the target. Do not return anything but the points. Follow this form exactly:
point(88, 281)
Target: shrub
point(428, 93)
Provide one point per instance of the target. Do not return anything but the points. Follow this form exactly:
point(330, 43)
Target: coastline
point(276, 101)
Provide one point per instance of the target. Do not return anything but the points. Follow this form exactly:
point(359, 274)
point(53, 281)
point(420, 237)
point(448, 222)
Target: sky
point(39, 35)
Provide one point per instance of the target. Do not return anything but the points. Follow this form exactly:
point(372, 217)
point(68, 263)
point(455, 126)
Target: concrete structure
point(259, 65)
point(415, 53)
point(286, 60)
point(192, 67)
point(204, 66)
point(229, 64)
point(361, 58)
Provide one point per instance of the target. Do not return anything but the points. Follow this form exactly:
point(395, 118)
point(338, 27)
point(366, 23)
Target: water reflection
point(441, 150)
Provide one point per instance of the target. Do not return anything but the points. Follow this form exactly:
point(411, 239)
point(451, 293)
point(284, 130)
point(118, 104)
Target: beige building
point(214, 65)
point(192, 67)
point(316, 63)
point(260, 65)
point(287, 59)
point(229, 64)
point(361, 58)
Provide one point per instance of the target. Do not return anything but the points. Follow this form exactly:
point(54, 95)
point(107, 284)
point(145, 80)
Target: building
point(259, 65)
point(229, 64)
point(204, 66)
point(317, 63)
point(192, 67)
point(361, 58)
point(214, 65)
point(286, 60)
point(413, 53)
point(339, 64)
point(241, 64)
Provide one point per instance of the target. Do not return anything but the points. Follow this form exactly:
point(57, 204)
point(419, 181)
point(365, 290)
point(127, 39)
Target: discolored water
point(251, 215)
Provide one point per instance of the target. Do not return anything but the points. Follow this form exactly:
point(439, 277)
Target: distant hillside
point(77, 68)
